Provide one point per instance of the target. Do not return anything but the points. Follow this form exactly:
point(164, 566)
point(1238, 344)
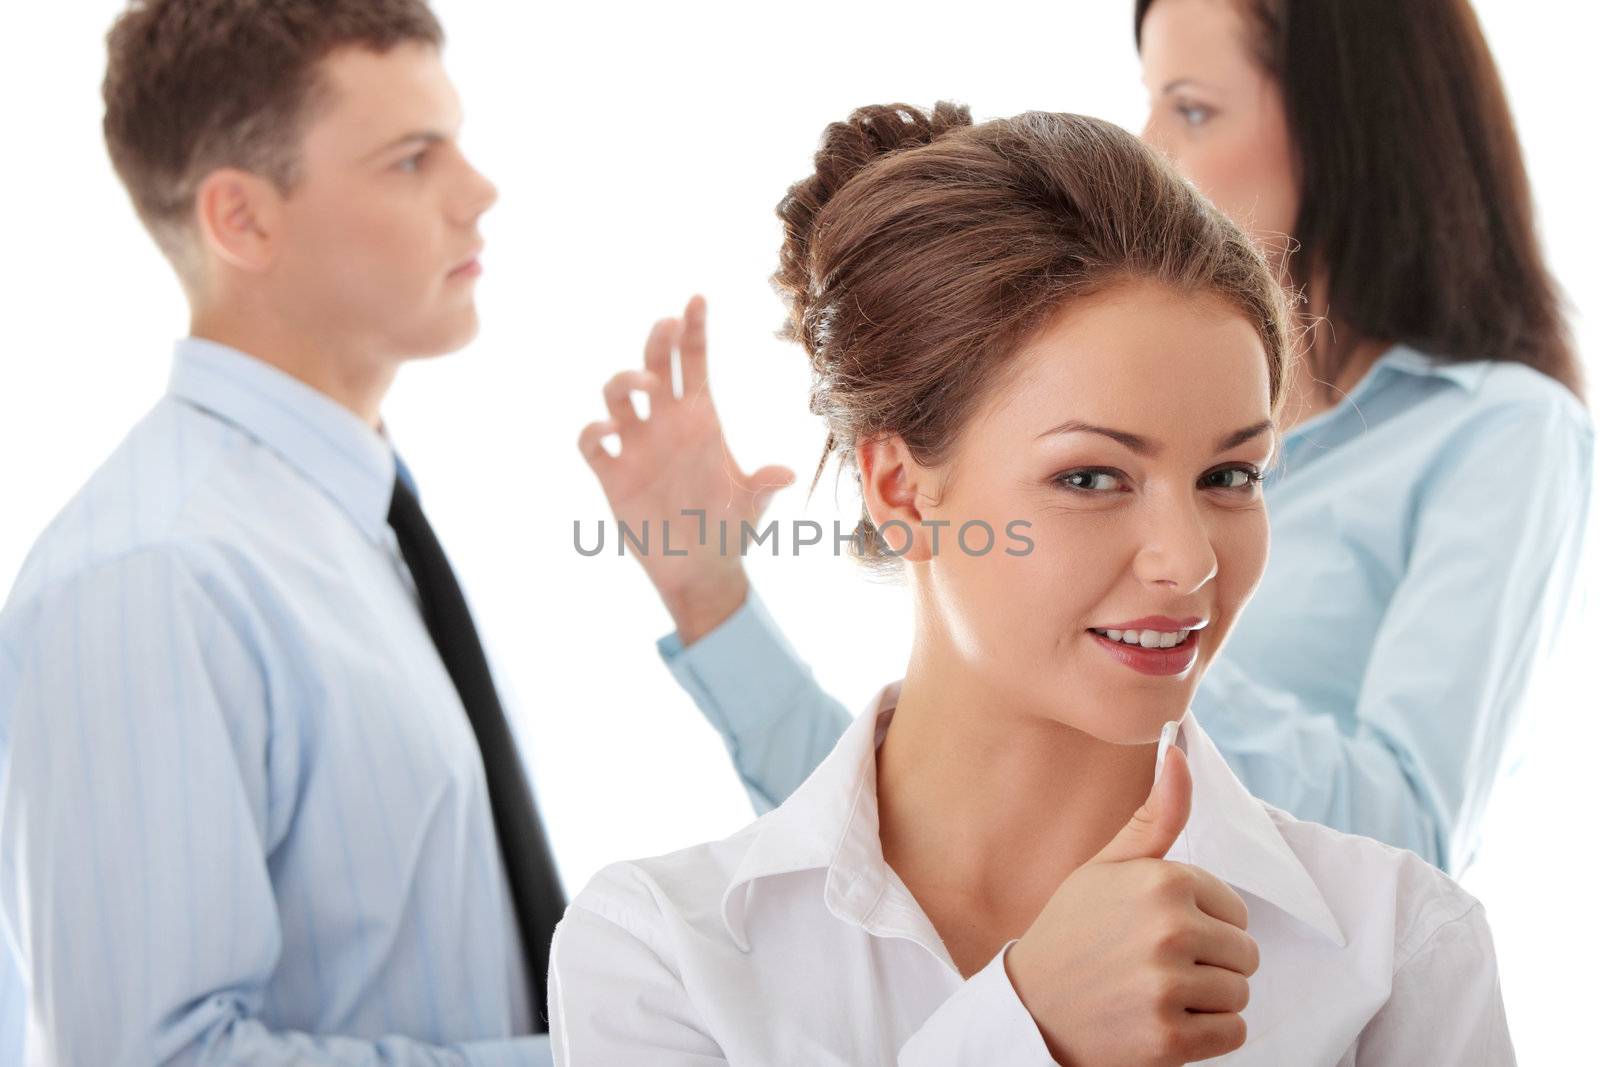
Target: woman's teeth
point(1148, 638)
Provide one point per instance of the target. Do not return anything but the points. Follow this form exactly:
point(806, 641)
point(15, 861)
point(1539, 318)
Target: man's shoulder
point(153, 496)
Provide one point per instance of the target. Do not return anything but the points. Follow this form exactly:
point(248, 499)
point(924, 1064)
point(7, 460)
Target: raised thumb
point(1159, 820)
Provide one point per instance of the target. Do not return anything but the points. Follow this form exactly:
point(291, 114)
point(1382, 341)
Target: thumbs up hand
point(1137, 959)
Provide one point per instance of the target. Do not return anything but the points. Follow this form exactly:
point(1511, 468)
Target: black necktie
point(535, 888)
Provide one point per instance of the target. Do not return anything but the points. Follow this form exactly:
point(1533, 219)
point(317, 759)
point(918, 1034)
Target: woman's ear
point(892, 483)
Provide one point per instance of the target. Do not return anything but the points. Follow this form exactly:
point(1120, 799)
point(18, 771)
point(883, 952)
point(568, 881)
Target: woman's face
point(1218, 116)
point(1129, 436)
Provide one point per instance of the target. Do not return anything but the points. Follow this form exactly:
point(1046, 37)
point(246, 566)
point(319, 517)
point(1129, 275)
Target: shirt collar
point(1407, 360)
point(340, 454)
point(831, 823)
point(1403, 359)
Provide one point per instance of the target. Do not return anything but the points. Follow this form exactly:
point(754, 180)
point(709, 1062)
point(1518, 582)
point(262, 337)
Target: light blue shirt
point(1425, 539)
point(243, 816)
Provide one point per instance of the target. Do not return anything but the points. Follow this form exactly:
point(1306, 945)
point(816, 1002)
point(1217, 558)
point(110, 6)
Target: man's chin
point(444, 342)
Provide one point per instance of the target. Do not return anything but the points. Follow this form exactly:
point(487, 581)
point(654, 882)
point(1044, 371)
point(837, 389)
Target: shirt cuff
point(984, 1022)
point(744, 675)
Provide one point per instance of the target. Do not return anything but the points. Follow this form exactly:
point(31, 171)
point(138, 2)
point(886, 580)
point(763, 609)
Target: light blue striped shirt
point(243, 815)
point(1425, 540)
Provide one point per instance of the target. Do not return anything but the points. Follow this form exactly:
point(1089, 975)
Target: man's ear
point(895, 488)
point(238, 214)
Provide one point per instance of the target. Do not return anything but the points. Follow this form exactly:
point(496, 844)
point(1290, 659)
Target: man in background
point(259, 802)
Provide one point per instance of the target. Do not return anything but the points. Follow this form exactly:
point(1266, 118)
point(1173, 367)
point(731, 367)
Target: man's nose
point(477, 194)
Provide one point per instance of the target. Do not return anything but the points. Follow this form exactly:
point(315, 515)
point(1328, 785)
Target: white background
point(639, 152)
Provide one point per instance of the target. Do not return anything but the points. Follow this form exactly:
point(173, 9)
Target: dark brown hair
point(1415, 210)
point(925, 251)
point(193, 85)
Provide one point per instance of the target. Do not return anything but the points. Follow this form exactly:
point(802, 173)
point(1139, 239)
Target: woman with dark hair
point(1436, 465)
point(1009, 859)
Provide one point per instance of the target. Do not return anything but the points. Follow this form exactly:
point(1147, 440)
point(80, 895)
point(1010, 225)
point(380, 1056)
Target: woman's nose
point(1177, 553)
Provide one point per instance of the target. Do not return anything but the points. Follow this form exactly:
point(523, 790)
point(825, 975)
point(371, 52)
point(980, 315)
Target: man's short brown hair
point(193, 85)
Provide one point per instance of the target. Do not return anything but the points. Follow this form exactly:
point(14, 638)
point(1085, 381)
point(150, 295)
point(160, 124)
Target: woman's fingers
point(763, 484)
point(1216, 898)
point(658, 349)
point(1222, 944)
point(1207, 1034)
point(692, 346)
point(589, 443)
point(1211, 989)
point(619, 402)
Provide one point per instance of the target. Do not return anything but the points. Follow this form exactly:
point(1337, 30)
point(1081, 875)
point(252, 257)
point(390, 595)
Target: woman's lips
point(1158, 661)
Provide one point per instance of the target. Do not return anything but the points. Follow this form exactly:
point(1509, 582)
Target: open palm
point(674, 460)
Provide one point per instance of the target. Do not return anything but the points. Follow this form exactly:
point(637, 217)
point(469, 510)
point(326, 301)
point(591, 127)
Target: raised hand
point(1137, 960)
point(675, 460)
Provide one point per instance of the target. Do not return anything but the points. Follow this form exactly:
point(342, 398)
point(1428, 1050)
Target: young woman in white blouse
point(1033, 331)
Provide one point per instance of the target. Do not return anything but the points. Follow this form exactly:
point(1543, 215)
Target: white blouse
point(793, 942)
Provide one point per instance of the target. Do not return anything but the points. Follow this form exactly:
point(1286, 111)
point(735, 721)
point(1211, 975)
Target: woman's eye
point(411, 164)
point(1090, 481)
point(1233, 478)
point(1193, 114)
